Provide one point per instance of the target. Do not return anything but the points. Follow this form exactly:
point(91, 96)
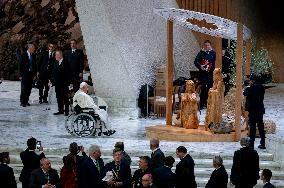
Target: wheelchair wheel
point(69, 123)
point(83, 125)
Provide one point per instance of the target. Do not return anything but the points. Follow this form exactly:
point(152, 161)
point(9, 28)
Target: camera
point(38, 144)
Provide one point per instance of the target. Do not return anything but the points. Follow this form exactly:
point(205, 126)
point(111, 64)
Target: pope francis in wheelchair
point(88, 119)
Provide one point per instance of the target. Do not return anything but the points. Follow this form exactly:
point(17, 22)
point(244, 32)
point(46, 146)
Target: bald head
point(154, 143)
point(147, 180)
point(45, 164)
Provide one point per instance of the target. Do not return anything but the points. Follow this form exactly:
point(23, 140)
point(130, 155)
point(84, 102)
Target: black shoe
point(58, 113)
point(66, 114)
point(23, 105)
point(45, 101)
point(261, 147)
point(40, 101)
point(111, 132)
point(28, 104)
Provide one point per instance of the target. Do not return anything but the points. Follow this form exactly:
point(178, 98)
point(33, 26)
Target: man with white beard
point(82, 99)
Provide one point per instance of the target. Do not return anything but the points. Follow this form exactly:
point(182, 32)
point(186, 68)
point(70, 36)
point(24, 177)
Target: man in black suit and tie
point(75, 59)
point(245, 169)
point(61, 80)
point(185, 169)
point(45, 67)
point(120, 169)
point(45, 176)
point(7, 177)
point(92, 170)
point(157, 156)
point(30, 160)
point(163, 176)
point(27, 72)
point(219, 177)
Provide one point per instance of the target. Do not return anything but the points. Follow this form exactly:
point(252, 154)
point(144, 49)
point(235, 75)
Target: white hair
point(83, 84)
point(93, 149)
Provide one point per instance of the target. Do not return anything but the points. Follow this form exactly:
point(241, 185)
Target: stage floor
point(173, 133)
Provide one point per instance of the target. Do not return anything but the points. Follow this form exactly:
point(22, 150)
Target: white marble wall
point(125, 42)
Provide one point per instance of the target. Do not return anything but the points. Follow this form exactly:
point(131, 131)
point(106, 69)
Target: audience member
point(30, 160)
point(144, 168)
point(44, 68)
point(90, 169)
point(27, 73)
point(254, 93)
point(125, 156)
point(45, 176)
point(157, 156)
point(75, 60)
point(265, 177)
point(147, 181)
point(163, 176)
point(185, 169)
point(245, 169)
point(68, 173)
point(120, 169)
point(219, 177)
point(7, 177)
point(205, 62)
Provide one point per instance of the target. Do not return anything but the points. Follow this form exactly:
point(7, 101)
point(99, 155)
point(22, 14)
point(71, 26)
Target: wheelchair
point(84, 122)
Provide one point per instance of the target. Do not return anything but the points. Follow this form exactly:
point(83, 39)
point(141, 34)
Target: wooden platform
point(173, 133)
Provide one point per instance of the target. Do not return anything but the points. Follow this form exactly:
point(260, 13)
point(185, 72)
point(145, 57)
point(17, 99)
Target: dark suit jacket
point(24, 66)
point(31, 161)
point(218, 179)
point(268, 185)
point(245, 169)
point(185, 173)
point(38, 178)
point(45, 65)
point(89, 175)
point(7, 178)
point(124, 174)
point(60, 74)
point(76, 62)
point(157, 158)
point(254, 99)
point(164, 177)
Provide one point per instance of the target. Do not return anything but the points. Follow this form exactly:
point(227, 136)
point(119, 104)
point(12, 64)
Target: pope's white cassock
point(85, 101)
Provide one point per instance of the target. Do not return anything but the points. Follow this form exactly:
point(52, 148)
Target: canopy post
point(218, 52)
point(239, 62)
point(169, 73)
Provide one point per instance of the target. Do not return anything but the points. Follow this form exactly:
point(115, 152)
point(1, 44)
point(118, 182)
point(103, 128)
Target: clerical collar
point(155, 150)
point(185, 155)
point(73, 50)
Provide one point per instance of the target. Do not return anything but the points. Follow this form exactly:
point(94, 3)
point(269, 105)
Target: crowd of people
point(51, 67)
point(88, 171)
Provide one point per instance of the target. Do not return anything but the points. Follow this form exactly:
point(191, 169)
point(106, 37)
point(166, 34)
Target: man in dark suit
point(245, 169)
point(265, 177)
point(205, 62)
point(163, 176)
point(30, 160)
point(157, 156)
point(45, 176)
point(144, 168)
point(254, 93)
point(75, 60)
point(45, 67)
point(7, 177)
point(185, 169)
point(219, 177)
point(120, 169)
point(92, 170)
point(226, 69)
point(61, 80)
point(27, 72)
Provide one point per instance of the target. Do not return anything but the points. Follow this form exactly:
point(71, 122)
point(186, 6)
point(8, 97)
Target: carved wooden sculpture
point(215, 99)
point(189, 107)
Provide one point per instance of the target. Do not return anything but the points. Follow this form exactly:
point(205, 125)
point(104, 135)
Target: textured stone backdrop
point(125, 42)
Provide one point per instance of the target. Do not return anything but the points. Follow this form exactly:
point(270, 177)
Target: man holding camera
point(254, 93)
point(30, 160)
